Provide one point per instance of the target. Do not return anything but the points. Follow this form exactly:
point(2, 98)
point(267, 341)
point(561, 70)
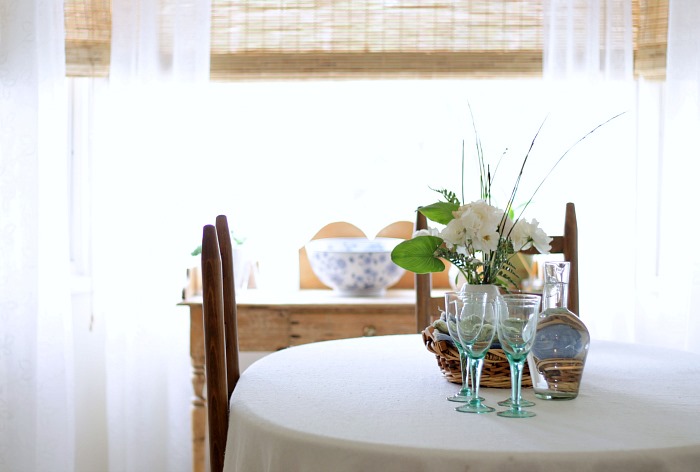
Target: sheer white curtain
point(667, 268)
point(147, 136)
point(588, 66)
point(677, 292)
point(588, 39)
point(37, 408)
point(646, 288)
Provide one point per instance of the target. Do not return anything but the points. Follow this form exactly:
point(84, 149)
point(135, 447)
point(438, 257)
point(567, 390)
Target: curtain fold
point(588, 40)
point(37, 408)
point(147, 139)
point(588, 68)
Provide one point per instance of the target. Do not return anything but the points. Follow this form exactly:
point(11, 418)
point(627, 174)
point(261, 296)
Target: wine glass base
point(459, 398)
point(524, 403)
point(516, 414)
point(472, 408)
point(462, 398)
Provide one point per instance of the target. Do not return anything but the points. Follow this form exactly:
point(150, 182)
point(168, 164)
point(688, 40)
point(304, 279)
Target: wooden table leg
point(199, 411)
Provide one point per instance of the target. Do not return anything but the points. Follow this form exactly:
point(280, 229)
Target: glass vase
point(558, 356)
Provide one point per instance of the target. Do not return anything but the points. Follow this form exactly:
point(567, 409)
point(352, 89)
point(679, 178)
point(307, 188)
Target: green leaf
point(418, 255)
point(448, 195)
point(440, 212)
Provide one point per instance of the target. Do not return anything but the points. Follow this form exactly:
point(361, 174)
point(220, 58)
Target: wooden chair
point(221, 365)
point(427, 306)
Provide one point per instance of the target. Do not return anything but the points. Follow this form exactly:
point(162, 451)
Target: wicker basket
point(495, 372)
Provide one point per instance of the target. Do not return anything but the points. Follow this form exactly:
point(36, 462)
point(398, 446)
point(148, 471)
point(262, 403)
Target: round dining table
point(380, 404)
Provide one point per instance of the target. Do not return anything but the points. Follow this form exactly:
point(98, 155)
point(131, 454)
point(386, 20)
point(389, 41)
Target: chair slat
point(230, 316)
point(214, 347)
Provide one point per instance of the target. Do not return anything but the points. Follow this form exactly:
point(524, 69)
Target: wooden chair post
point(570, 251)
point(214, 347)
point(229, 288)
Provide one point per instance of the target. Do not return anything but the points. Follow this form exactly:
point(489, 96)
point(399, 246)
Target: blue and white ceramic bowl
point(354, 267)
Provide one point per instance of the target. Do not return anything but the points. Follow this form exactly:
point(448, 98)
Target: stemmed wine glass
point(517, 323)
point(451, 299)
point(523, 402)
point(476, 326)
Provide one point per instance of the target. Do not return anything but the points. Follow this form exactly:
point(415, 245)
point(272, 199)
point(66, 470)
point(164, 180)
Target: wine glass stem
point(475, 366)
point(464, 366)
point(516, 376)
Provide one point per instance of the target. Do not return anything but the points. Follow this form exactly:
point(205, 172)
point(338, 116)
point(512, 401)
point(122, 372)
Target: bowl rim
point(309, 246)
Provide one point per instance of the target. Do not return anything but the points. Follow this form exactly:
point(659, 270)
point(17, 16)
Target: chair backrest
point(428, 306)
point(221, 365)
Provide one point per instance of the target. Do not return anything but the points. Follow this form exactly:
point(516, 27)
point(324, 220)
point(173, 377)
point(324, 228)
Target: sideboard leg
point(199, 416)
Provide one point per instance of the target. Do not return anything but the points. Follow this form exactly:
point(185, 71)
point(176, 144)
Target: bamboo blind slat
point(88, 25)
point(273, 66)
point(265, 39)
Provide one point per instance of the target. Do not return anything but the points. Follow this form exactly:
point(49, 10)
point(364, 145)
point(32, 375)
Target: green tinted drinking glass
point(517, 323)
point(476, 326)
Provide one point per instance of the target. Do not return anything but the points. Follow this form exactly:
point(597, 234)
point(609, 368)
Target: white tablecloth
point(379, 404)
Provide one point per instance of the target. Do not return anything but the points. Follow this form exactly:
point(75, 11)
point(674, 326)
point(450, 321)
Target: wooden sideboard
point(269, 321)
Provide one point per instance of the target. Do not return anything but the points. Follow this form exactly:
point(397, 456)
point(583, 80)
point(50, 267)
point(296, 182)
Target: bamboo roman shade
point(265, 39)
point(650, 23)
point(376, 38)
point(88, 26)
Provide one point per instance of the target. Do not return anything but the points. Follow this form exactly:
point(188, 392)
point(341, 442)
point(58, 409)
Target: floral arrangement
point(478, 238)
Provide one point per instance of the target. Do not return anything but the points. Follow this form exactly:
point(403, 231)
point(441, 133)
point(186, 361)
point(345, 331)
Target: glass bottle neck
point(555, 295)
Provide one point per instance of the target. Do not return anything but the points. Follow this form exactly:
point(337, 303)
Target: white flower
point(455, 234)
point(520, 236)
point(479, 215)
point(480, 221)
point(486, 241)
point(474, 228)
point(540, 238)
point(427, 232)
point(526, 234)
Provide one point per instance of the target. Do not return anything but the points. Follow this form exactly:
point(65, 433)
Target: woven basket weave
point(495, 372)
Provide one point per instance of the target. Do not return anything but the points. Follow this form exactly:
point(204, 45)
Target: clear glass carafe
point(558, 355)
